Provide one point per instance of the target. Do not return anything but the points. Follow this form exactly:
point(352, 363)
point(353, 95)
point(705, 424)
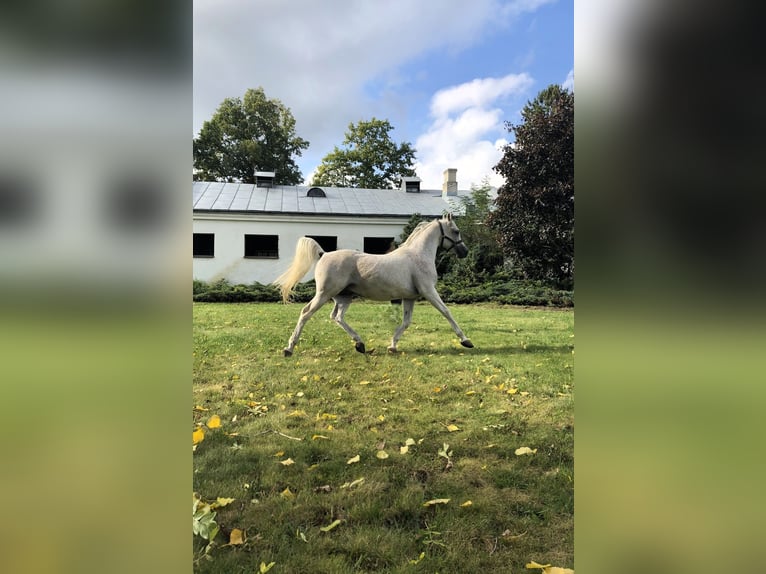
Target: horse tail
point(307, 253)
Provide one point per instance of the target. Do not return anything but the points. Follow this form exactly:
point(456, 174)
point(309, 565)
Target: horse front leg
point(433, 297)
point(407, 306)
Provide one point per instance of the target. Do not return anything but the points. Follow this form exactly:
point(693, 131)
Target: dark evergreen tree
point(534, 214)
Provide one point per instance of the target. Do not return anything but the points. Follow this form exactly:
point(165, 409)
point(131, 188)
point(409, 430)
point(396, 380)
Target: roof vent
point(316, 192)
point(264, 178)
point(411, 184)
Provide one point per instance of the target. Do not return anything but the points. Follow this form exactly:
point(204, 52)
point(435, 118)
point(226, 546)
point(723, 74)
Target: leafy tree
point(368, 159)
point(485, 256)
point(534, 213)
point(248, 135)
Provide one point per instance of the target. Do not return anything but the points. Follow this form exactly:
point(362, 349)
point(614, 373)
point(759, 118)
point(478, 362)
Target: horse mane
point(419, 228)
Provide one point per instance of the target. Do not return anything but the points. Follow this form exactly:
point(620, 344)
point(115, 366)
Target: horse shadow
point(494, 349)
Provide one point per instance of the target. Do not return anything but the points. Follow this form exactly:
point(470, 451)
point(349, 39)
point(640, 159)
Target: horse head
point(451, 236)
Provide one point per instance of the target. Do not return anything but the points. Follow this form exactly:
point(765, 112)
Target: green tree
point(485, 256)
point(534, 214)
point(368, 159)
point(248, 135)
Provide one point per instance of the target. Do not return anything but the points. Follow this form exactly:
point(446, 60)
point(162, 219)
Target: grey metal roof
point(246, 197)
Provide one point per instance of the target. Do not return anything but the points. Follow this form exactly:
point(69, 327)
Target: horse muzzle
point(461, 250)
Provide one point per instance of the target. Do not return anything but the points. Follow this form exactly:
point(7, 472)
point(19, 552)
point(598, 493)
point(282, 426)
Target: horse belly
point(383, 291)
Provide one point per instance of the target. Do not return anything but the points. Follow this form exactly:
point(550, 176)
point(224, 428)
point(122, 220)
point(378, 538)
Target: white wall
point(229, 229)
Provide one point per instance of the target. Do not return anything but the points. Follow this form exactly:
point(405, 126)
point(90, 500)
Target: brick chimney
point(449, 187)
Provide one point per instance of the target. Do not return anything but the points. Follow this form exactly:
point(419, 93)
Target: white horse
point(406, 273)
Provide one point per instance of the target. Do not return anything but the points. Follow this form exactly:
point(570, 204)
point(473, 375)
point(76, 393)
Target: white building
point(248, 232)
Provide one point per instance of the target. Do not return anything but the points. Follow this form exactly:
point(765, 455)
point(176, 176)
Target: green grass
point(522, 506)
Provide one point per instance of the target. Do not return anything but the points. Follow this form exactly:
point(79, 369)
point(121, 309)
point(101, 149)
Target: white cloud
point(518, 7)
point(467, 131)
point(477, 93)
point(319, 57)
point(569, 82)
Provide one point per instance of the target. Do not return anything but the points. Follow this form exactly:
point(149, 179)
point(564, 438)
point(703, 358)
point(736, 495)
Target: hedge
point(504, 291)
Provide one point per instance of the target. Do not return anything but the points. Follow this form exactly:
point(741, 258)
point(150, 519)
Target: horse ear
point(448, 217)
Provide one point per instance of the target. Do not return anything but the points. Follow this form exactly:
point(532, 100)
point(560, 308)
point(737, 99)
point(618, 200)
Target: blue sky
point(446, 73)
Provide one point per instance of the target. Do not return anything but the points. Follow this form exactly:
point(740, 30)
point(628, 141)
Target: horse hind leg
point(311, 307)
point(407, 307)
point(342, 303)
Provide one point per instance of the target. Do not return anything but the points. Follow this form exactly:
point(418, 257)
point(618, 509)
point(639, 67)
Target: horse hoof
point(467, 343)
point(287, 353)
point(393, 350)
point(359, 347)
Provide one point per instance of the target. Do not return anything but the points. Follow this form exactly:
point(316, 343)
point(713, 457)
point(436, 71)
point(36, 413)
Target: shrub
point(498, 289)
point(222, 291)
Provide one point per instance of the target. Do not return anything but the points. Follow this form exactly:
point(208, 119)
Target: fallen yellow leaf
point(524, 450)
point(453, 428)
point(286, 493)
point(513, 391)
point(353, 460)
point(382, 454)
point(263, 568)
point(219, 502)
point(364, 382)
point(287, 462)
point(297, 414)
point(318, 436)
point(469, 393)
point(198, 436)
point(199, 408)
point(213, 422)
point(467, 503)
point(280, 453)
point(404, 449)
point(353, 483)
point(330, 526)
point(236, 536)
point(409, 442)
point(436, 501)
point(548, 569)
point(381, 418)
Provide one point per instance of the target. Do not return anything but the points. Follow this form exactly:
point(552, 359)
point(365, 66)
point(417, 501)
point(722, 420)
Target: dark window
point(328, 242)
point(19, 200)
point(378, 245)
point(316, 192)
point(138, 203)
point(204, 245)
point(412, 186)
point(262, 246)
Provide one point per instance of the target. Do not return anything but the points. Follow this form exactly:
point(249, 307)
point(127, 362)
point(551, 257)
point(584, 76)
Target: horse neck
point(427, 241)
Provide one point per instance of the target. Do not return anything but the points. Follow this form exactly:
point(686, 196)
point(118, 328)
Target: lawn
point(341, 462)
